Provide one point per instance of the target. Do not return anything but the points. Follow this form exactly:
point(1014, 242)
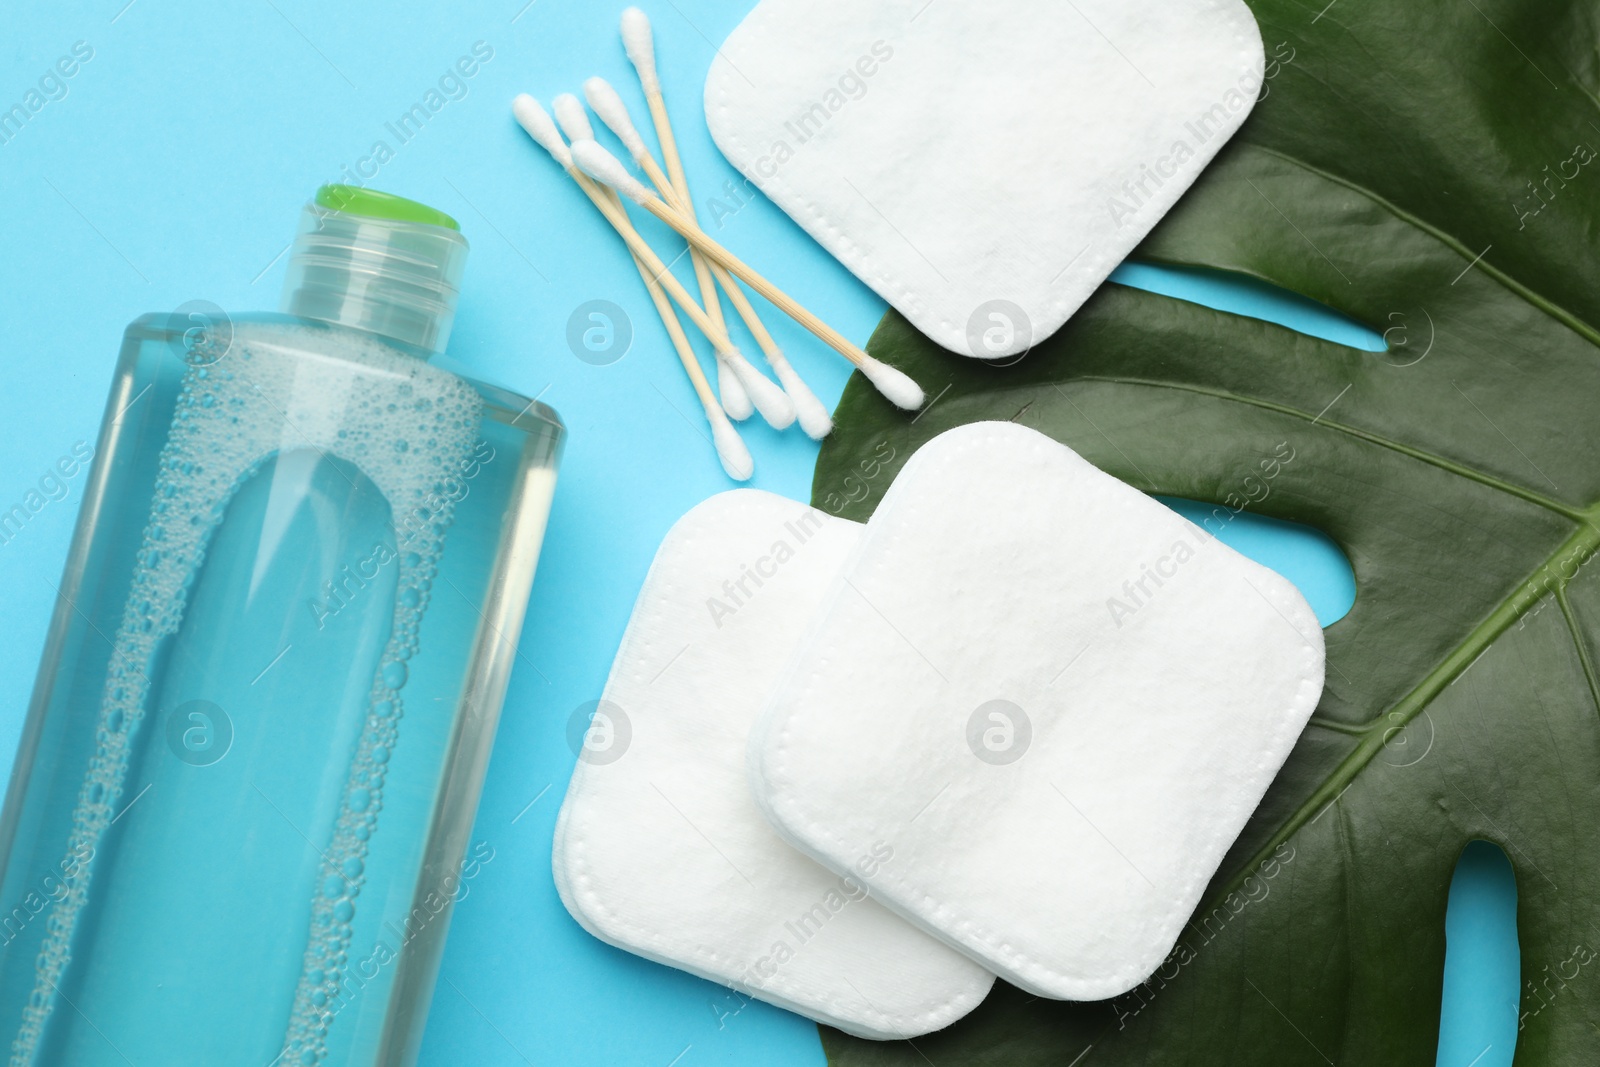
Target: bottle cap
point(379, 263)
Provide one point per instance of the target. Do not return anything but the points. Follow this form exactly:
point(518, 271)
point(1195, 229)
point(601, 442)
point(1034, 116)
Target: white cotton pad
point(1054, 698)
point(983, 166)
point(660, 848)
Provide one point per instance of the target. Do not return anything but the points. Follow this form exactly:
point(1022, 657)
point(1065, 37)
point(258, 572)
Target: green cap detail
point(354, 200)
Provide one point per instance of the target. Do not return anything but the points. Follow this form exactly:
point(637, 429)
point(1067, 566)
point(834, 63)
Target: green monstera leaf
point(1427, 168)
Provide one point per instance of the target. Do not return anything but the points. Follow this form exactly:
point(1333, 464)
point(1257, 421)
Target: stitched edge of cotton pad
point(575, 882)
point(783, 805)
point(912, 302)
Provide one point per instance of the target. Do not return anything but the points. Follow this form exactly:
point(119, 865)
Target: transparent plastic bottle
point(241, 806)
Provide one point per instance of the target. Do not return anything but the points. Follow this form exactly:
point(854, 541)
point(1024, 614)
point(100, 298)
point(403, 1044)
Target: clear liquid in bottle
point(241, 807)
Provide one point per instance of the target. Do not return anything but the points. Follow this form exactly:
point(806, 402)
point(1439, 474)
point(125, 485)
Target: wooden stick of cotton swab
point(602, 166)
point(613, 112)
point(731, 450)
point(638, 40)
point(753, 388)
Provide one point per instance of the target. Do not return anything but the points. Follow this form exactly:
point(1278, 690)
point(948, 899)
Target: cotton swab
point(639, 41)
point(773, 403)
point(613, 112)
point(731, 450)
point(601, 165)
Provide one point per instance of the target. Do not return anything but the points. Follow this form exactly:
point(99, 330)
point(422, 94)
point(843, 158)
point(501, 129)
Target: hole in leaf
point(1482, 963)
point(1240, 294)
point(1303, 554)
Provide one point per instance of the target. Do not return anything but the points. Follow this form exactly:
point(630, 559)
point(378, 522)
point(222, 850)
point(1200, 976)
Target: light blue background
point(173, 169)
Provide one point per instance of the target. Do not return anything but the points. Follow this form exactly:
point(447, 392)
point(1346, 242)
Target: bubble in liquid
point(394, 674)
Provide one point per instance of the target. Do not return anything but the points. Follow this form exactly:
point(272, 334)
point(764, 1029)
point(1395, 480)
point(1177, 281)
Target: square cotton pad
point(983, 166)
point(661, 850)
point(1056, 700)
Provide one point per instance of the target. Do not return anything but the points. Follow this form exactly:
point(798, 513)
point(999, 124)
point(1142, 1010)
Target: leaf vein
point(1548, 306)
point(1352, 431)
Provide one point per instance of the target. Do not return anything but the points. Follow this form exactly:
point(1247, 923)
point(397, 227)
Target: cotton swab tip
point(573, 118)
point(640, 44)
point(614, 113)
point(735, 401)
point(731, 450)
point(606, 168)
point(813, 417)
point(900, 389)
point(533, 118)
point(773, 403)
